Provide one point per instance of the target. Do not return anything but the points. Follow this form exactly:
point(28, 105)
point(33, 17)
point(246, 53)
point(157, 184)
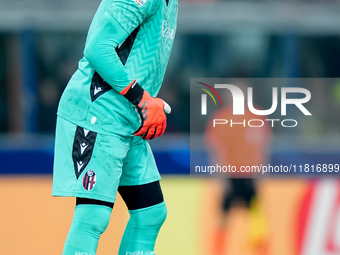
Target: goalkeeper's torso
point(91, 103)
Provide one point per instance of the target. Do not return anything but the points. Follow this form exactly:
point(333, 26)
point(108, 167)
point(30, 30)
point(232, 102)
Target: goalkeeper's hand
point(153, 119)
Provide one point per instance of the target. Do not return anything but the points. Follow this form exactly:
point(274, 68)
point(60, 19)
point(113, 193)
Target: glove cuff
point(134, 92)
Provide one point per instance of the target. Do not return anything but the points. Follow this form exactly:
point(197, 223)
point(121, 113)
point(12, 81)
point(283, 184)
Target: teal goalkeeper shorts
point(93, 165)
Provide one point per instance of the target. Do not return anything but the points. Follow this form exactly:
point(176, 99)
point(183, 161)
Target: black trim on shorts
point(141, 196)
point(83, 145)
point(88, 201)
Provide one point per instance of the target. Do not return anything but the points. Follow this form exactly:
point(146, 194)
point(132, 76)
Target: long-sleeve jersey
point(127, 39)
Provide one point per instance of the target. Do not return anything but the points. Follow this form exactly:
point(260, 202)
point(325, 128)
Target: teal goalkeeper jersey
point(127, 39)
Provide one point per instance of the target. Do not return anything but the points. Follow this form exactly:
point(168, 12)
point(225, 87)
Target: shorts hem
point(125, 182)
point(82, 195)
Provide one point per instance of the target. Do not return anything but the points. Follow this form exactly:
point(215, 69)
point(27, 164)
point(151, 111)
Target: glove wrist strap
point(134, 92)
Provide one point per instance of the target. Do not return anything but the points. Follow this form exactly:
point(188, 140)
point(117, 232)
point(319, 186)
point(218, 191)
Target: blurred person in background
point(238, 145)
point(106, 114)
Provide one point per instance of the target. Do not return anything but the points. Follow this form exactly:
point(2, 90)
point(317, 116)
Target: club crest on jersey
point(89, 180)
point(140, 2)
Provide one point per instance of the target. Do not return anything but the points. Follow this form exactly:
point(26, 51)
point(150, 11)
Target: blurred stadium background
point(41, 42)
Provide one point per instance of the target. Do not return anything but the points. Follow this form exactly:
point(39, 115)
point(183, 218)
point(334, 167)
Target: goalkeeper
point(106, 114)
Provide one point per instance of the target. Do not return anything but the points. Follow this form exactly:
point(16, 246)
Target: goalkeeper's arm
point(100, 51)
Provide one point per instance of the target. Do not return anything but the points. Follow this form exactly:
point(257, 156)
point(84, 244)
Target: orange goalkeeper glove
point(150, 109)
